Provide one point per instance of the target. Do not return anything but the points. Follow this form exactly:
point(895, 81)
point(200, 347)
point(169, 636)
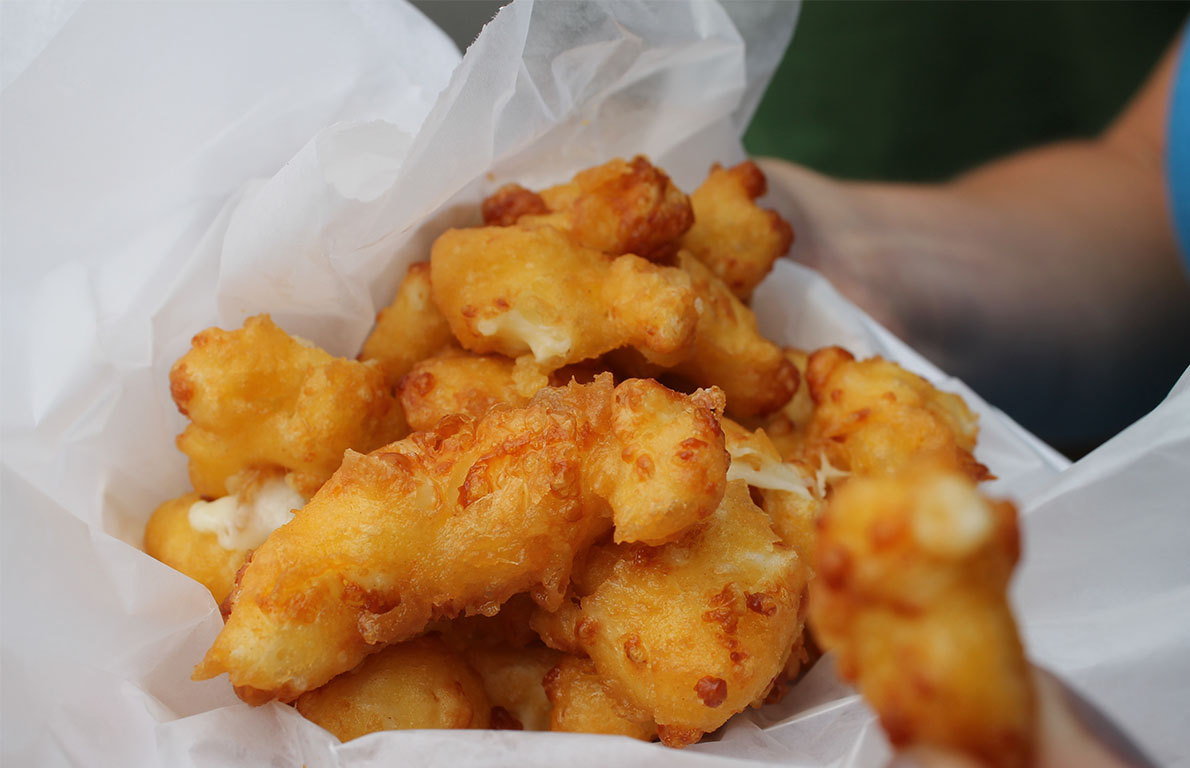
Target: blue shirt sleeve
point(1178, 152)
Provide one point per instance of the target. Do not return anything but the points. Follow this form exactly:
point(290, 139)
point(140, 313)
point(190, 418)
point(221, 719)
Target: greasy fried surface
point(689, 633)
point(170, 538)
point(523, 291)
point(786, 491)
point(456, 383)
point(737, 239)
point(409, 329)
point(258, 397)
point(729, 352)
point(456, 520)
point(622, 206)
point(873, 417)
point(672, 460)
point(911, 596)
point(581, 704)
point(787, 427)
point(513, 679)
point(416, 684)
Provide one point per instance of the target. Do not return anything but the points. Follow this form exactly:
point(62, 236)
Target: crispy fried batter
point(671, 460)
point(580, 703)
point(457, 383)
point(911, 596)
point(409, 329)
point(737, 239)
point(421, 683)
point(729, 352)
point(786, 491)
point(622, 206)
point(519, 292)
point(692, 632)
point(170, 538)
point(787, 427)
point(509, 203)
point(452, 521)
point(513, 678)
point(873, 417)
point(258, 397)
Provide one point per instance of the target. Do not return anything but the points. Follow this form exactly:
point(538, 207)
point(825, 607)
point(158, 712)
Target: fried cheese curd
point(910, 595)
point(873, 417)
point(409, 329)
point(622, 206)
point(170, 538)
point(458, 520)
point(258, 397)
point(786, 491)
point(735, 238)
point(457, 382)
point(537, 292)
point(209, 541)
point(687, 634)
point(729, 350)
point(787, 427)
point(420, 683)
point(580, 703)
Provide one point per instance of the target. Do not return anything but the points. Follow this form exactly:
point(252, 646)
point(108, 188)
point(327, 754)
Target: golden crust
point(735, 238)
point(457, 382)
point(409, 329)
point(452, 521)
point(911, 597)
point(421, 683)
point(198, 554)
point(873, 417)
point(622, 206)
point(258, 397)
point(729, 351)
point(513, 678)
point(692, 632)
point(536, 292)
point(580, 703)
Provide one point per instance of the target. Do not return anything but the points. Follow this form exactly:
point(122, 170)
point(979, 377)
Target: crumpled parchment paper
point(169, 167)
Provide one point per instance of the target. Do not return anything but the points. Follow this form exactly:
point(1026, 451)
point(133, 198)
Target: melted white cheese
point(546, 343)
point(241, 525)
point(759, 471)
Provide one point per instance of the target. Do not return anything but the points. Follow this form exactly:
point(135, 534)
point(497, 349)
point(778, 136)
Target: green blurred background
point(921, 91)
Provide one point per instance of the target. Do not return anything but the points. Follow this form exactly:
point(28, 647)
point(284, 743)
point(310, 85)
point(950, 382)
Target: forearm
point(1057, 264)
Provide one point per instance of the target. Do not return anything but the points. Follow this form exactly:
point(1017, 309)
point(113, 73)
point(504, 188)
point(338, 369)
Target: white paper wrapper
point(130, 223)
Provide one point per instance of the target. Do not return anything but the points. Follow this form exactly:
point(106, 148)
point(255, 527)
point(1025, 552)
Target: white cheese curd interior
point(245, 524)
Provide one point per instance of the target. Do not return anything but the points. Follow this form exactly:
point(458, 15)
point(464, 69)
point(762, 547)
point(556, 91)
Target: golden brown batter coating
point(455, 520)
point(873, 417)
point(258, 397)
point(457, 382)
point(409, 329)
point(580, 703)
point(536, 292)
point(911, 596)
point(170, 538)
point(692, 632)
point(420, 683)
point(729, 351)
point(514, 680)
point(622, 206)
point(787, 427)
point(737, 239)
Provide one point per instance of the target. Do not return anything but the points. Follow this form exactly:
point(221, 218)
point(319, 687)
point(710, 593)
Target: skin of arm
point(1058, 261)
